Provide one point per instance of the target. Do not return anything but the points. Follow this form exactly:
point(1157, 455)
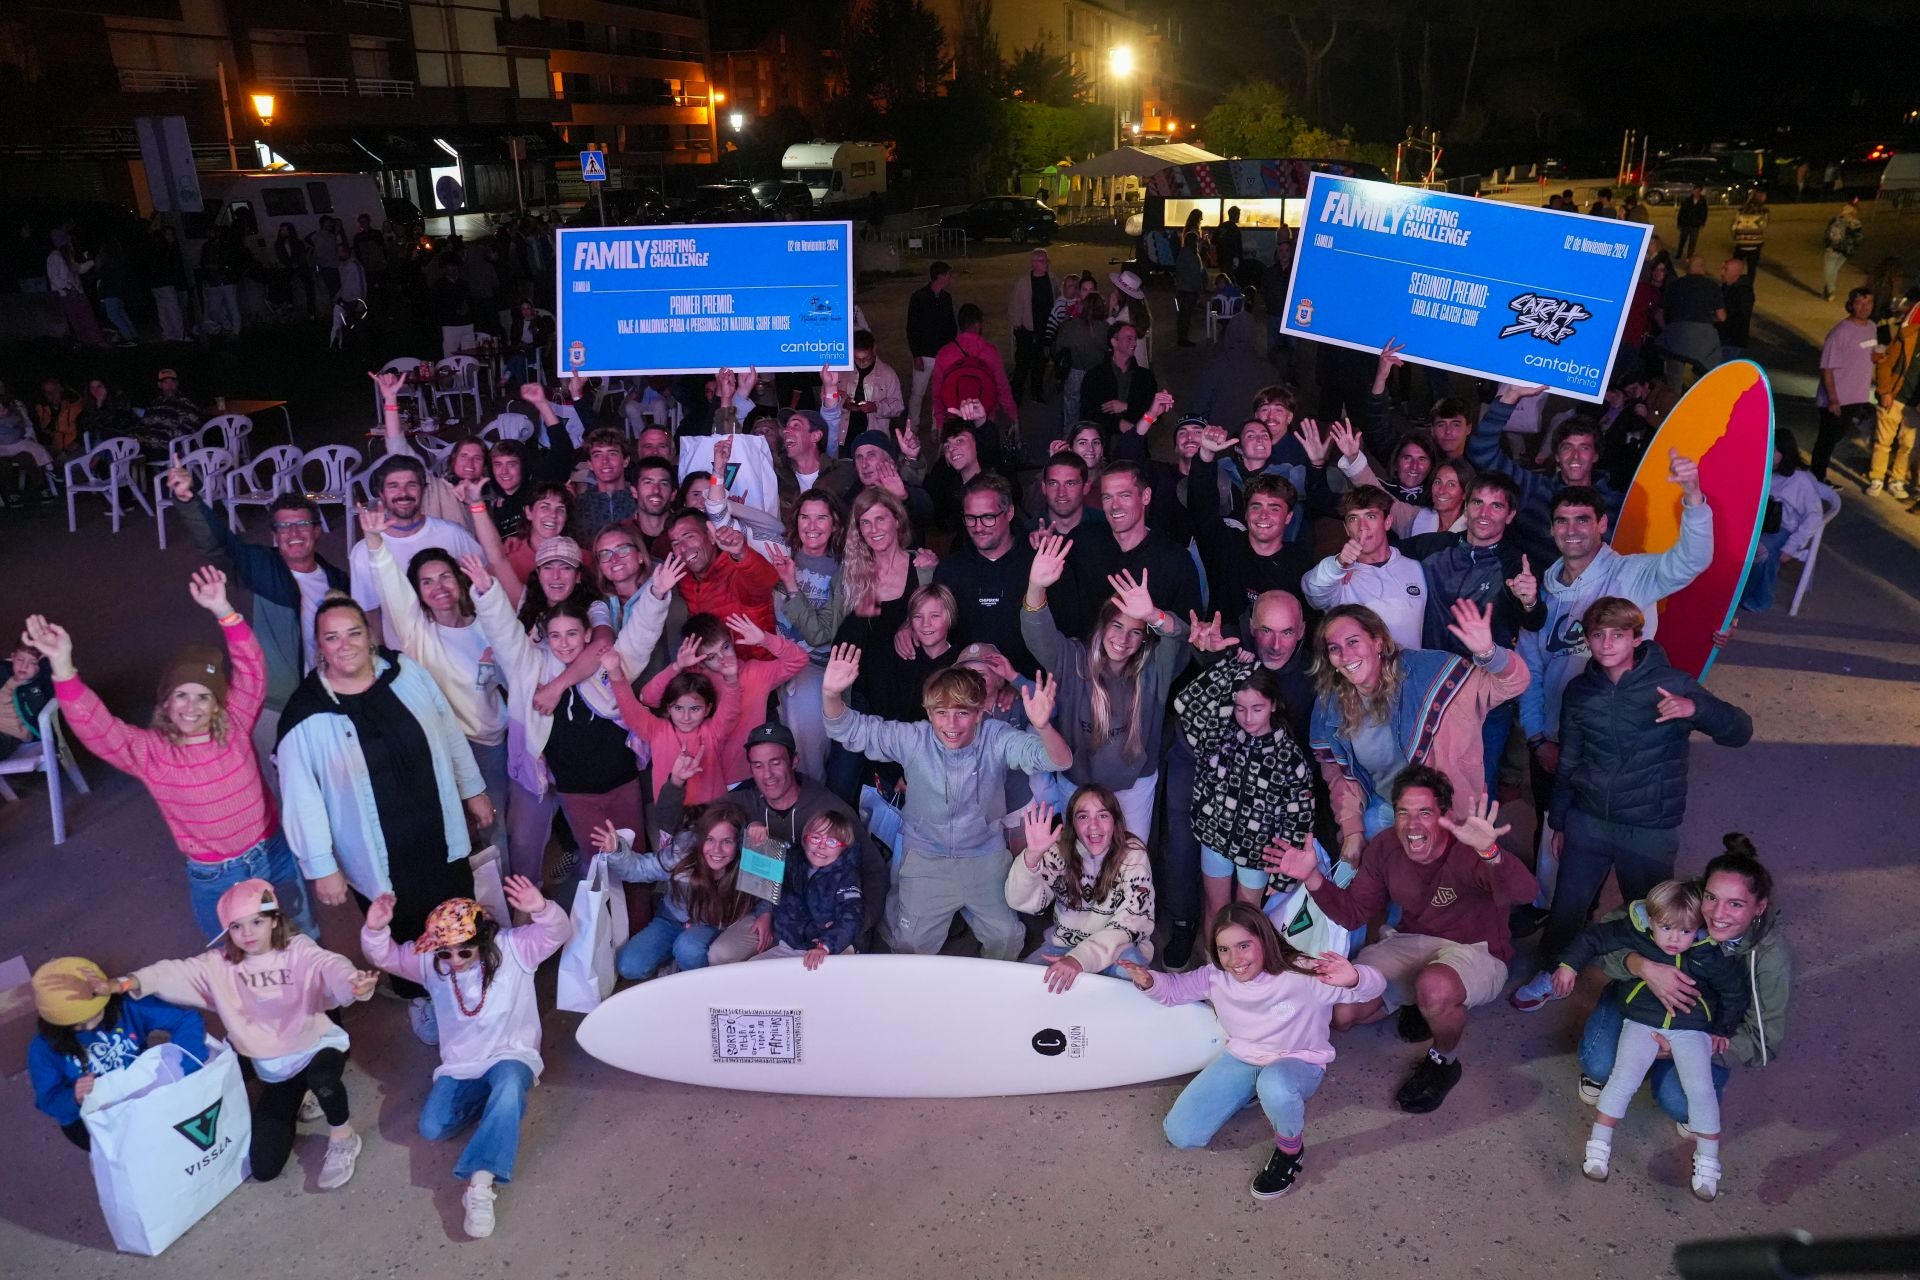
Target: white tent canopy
point(1141, 162)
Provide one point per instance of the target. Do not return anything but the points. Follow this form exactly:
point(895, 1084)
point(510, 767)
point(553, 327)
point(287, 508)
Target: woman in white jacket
point(581, 752)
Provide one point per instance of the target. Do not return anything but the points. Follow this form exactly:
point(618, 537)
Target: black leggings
point(277, 1110)
point(77, 1134)
point(421, 882)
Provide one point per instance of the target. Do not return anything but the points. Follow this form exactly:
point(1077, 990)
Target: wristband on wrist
point(391, 405)
point(230, 618)
point(476, 507)
point(1489, 854)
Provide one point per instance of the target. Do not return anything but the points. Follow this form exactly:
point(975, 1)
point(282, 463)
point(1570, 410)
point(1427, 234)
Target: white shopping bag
point(488, 888)
point(1302, 923)
point(599, 927)
point(167, 1146)
point(1546, 867)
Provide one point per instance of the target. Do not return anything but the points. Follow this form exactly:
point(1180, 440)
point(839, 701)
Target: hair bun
point(1737, 842)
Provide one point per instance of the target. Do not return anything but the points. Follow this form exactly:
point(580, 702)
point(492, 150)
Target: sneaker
point(1179, 950)
point(1590, 1090)
point(310, 1112)
point(1875, 488)
point(1706, 1176)
point(1428, 1085)
point(1595, 1163)
point(1276, 1179)
point(1898, 489)
point(478, 1202)
point(1525, 921)
point(569, 864)
point(337, 1168)
point(1412, 1024)
point(425, 1026)
point(1535, 993)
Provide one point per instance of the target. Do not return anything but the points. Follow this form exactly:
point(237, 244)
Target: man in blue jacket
point(287, 580)
point(1621, 792)
point(1576, 450)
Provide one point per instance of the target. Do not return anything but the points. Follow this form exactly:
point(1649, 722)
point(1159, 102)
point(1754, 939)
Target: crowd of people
point(1153, 712)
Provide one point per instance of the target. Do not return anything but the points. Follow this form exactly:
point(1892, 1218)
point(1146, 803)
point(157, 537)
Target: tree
point(976, 49)
point(1037, 75)
point(1255, 119)
point(893, 52)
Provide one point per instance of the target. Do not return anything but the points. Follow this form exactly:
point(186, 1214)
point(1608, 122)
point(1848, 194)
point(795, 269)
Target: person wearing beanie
point(480, 977)
point(271, 988)
point(83, 1034)
point(197, 760)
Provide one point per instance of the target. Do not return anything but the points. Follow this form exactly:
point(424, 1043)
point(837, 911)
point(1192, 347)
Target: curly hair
point(1328, 682)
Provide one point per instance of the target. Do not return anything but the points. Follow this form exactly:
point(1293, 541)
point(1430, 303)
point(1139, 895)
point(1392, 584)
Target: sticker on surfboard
point(755, 1035)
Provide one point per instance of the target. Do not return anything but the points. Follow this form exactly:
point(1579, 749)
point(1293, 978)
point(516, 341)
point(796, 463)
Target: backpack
point(971, 378)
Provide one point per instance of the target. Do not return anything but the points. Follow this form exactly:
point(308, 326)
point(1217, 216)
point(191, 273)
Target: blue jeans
point(1757, 597)
point(664, 936)
point(1227, 1084)
point(1639, 857)
point(493, 769)
point(1050, 949)
point(270, 860)
point(497, 1100)
point(1493, 738)
point(1602, 1037)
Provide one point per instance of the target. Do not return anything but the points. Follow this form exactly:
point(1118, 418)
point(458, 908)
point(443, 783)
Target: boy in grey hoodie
point(956, 764)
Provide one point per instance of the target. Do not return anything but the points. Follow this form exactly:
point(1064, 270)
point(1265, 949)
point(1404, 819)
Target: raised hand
point(1162, 401)
point(477, 573)
point(468, 491)
point(1515, 392)
point(533, 393)
point(1472, 626)
point(606, 838)
point(180, 483)
point(208, 587)
point(613, 664)
point(1345, 439)
point(1291, 861)
point(523, 894)
point(1335, 970)
point(843, 668)
point(1673, 707)
point(373, 523)
point(1684, 472)
point(1390, 359)
point(784, 568)
point(688, 655)
point(1049, 562)
point(1477, 830)
point(1313, 440)
point(390, 384)
point(731, 541)
point(748, 381)
point(1136, 974)
point(363, 983)
point(576, 386)
point(1038, 700)
point(1134, 599)
point(1208, 636)
point(1036, 820)
point(909, 441)
point(890, 479)
point(1214, 441)
point(51, 641)
point(380, 912)
point(667, 575)
point(686, 765)
point(1524, 585)
point(973, 411)
point(745, 629)
point(724, 383)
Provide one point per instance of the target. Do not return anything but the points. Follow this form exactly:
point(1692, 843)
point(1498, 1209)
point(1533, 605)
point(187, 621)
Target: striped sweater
point(209, 793)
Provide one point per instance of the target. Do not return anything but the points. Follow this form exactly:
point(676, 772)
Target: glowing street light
point(737, 121)
point(1120, 60)
point(263, 107)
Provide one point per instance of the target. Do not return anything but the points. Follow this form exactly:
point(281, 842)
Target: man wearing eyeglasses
point(287, 580)
point(988, 574)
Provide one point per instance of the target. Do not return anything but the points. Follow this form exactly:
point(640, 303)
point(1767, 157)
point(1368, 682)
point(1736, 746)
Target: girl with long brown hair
point(1095, 876)
point(701, 872)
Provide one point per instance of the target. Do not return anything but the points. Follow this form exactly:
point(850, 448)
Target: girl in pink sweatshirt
point(480, 979)
point(1275, 1004)
point(272, 987)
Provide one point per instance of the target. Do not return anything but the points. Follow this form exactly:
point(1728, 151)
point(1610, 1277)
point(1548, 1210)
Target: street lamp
point(1120, 64)
point(736, 121)
point(263, 107)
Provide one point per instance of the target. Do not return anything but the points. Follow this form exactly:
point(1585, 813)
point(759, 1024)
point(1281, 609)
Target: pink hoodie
point(272, 1005)
point(1273, 1016)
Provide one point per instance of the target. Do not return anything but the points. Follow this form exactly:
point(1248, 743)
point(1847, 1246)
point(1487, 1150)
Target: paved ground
point(624, 1176)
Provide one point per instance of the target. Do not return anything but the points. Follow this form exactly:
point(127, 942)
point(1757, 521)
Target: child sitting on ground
point(1664, 926)
point(705, 917)
point(1095, 876)
point(820, 905)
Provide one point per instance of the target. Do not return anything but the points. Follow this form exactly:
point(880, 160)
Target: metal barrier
point(931, 241)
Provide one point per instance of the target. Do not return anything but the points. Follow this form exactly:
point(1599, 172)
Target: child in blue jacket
point(1665, 926)
point(818, 914)
point(84, 1035)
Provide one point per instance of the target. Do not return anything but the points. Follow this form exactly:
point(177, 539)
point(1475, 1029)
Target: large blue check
point(1502, 291)
point(775, 296)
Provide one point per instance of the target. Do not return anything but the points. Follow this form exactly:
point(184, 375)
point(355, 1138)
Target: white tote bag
point(488, 888)
point(167, 1146)
point(1302, 923)
point(599, 927)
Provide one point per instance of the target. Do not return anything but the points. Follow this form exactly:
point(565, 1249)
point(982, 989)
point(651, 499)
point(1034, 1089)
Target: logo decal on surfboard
point(755, 1035)
point(1051, 1042)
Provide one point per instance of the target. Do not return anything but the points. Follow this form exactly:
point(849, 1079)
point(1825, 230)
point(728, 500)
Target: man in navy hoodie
point(1576, 450)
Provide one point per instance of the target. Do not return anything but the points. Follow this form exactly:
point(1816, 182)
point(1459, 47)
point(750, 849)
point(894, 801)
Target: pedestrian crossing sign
point(593, 166)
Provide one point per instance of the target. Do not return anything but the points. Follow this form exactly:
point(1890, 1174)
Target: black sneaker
point(1276, 1179)
point(1412, 1025)
point(1427, 1085)
point(1179, 947)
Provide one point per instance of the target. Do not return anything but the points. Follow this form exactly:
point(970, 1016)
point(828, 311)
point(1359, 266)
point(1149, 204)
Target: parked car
point(784, 201)
point(1672, 181)
point(1018, 218)
point(720, 202)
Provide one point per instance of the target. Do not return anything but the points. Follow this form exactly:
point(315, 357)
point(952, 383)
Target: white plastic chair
point(1220, 312)
point(117, 457)
point(456, 378)
point(508, 426)
point(51, 756)
point(1813, 555)
point(228, 431)
point(209, 468)
point(433, 451)
point(337, 463)
point(259, 482)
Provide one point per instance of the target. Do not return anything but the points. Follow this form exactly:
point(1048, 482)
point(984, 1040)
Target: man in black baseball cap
point(784, 802)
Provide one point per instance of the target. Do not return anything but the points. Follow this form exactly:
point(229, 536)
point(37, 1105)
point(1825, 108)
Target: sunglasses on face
point(462, 954)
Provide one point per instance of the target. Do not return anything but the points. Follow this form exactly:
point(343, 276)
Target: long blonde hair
point(1100, 703)
point(1355, 707)
point(859, 571)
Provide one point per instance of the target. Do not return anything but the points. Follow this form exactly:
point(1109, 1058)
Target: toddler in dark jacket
point(820, 903)
point(1665, 927)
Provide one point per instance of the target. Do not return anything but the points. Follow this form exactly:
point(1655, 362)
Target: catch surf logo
point(1051, 1042)
point(1548, 319)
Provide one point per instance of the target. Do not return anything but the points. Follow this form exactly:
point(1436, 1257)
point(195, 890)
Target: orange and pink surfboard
point(1725, 423)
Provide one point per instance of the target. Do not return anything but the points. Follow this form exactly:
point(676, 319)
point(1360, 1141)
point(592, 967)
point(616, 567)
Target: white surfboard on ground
point(889, 1026)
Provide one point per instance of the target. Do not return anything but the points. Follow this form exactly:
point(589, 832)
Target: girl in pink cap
point(271, 988)
point(480, 978)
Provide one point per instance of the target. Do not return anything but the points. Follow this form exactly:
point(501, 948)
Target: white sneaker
point(310, 1112)
point(425, 1025)
point(337, 1168)
point(1875, 488)
point(1898, 489)
point(1535, 993)
point(1706, 1175)
point(1599, 1155)
point(1590, 1091)
point(478, 1202)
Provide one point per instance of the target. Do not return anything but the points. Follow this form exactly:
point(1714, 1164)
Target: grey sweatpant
point(1692, 1062)
point(930, 890)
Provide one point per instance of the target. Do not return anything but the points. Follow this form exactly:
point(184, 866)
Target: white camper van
point(257, 201)
point(838, 172)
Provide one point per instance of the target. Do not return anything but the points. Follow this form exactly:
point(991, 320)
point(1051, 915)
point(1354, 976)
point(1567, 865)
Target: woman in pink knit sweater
point(197, 759)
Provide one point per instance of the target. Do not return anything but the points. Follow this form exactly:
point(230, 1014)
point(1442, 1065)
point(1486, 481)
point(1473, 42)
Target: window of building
point(372, 57)
point(280, 53)
point(283, 202)
point(533, 77)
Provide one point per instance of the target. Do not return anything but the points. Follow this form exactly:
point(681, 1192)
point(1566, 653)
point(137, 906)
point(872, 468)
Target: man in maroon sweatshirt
point(1454, 887)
